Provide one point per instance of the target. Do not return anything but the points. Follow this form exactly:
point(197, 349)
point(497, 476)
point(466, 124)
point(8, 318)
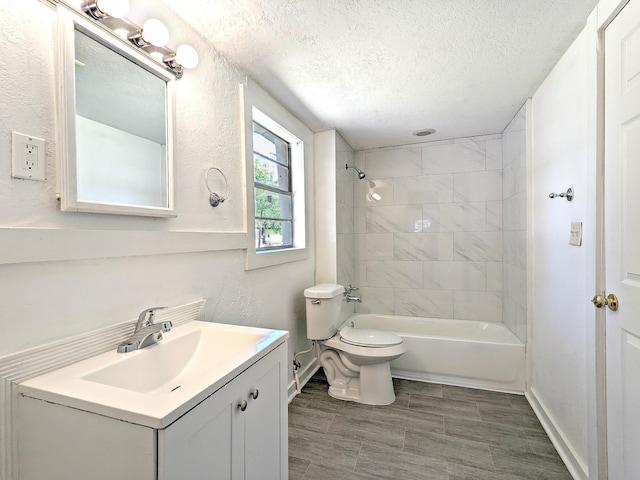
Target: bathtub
point(456, 352)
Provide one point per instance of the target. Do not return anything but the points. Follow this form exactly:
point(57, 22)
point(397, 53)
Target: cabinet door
point(204, 444)
point(265, 422)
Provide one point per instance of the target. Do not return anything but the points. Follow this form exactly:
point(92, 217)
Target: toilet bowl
point(355, 361)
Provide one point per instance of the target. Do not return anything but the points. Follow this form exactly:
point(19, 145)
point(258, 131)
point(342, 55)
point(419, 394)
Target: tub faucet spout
point(146, 332)
point(351, 298)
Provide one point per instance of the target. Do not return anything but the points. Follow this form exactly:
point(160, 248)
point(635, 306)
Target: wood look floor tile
point(487, 432)
point(535, 466)
point(323, 448)
point(457, 450)
point(431, 431)
point(442, 406)
point(371, 431)
point(297, 468)
point(381, 462)
point(408, 418)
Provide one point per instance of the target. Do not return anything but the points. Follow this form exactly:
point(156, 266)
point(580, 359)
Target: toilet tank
point(323, 303)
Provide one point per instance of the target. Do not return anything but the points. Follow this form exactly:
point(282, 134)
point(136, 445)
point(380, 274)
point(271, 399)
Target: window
point(277, 148)
point(273, 197)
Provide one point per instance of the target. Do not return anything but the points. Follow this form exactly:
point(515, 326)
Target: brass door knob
point(611, 301)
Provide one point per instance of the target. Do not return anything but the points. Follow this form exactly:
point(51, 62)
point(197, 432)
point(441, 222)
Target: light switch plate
point(575, 236)
point(27, 157)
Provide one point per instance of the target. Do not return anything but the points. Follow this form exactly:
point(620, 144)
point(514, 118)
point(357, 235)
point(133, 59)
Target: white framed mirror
point(116, 124)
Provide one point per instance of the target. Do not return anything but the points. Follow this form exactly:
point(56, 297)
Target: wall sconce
point(152, 37)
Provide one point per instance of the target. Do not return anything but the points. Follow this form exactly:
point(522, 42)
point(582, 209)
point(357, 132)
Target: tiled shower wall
point(514, 224)
point(344, 213)
point(428, 230)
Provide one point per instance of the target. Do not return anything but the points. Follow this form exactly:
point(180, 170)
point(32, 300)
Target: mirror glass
point(121, 128)
point(116, 135)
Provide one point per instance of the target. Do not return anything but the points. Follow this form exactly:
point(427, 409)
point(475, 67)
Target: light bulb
point(114, 8)
point(155, 32)
point(187, 56)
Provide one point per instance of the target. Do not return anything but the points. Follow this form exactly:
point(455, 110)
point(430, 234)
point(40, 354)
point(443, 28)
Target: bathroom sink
point(156, 385)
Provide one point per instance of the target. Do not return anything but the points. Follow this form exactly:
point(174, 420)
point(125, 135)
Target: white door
point(622, 241)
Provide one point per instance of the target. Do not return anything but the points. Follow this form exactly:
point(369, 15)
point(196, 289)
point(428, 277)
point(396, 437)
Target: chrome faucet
point(348, 291)
point(146, 332)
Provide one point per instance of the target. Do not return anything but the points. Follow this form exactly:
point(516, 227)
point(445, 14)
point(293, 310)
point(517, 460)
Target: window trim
point(260, 107)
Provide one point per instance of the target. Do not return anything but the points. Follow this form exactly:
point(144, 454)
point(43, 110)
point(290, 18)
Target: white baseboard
point(578, 469)
point(304, 375)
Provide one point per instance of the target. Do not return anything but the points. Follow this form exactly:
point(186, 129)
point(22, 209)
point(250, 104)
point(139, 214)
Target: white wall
point(44, 299)
point(558, 343)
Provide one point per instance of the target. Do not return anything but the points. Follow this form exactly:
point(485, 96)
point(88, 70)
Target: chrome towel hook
point(214, 198)
point(568, 194)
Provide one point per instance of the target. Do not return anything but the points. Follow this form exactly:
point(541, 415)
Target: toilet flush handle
point(316, 302)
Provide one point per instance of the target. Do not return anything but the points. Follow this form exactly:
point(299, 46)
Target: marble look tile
point(455, 217)
point(395, 274)
point(423, 189)
point(397, 162)
point(515, 248)
point(494, 154)
point(359, 220)
point(494, 277)
point(514, 211)
point(454, 158)
point(477, 246)
point(380, 462)
point(423, 246)
point(485, 306)
point(375, 300)
point(455, 275)
point(344, 219)
point(404, 218)
point(374, 246)
point(477, 186)
point(494, 216)
point(423, 303)
point(364, 190)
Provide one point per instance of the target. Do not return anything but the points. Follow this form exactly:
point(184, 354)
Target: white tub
point(457, 352)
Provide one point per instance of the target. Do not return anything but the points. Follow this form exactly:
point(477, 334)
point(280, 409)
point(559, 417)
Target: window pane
point(273, 233)
point(270, 173)
point(270, 145)
point(272, 205)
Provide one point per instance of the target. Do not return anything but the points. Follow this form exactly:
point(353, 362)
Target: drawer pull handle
point(242, 405)
point(254, 393)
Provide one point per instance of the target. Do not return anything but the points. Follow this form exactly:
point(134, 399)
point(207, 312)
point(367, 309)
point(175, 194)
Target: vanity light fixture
point(152, 37)
point(99, 9)
point(153, 32)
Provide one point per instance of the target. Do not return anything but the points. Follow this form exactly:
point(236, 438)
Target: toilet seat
point(368, 338)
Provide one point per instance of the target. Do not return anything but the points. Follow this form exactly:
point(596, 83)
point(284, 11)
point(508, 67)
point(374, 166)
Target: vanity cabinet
point(233, 435)
point(220, 438)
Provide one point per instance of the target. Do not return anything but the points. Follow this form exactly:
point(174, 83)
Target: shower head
point(361, 174)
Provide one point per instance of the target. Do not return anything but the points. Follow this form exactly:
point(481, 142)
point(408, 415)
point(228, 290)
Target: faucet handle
point(145, 318)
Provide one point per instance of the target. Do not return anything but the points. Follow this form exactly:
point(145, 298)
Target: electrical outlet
point(27, 157)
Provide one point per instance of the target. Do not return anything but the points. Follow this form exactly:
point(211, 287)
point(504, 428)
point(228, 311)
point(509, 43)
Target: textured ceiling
point(377, 70)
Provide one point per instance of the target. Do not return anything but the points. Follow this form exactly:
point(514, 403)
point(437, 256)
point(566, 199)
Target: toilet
point(355, 361)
